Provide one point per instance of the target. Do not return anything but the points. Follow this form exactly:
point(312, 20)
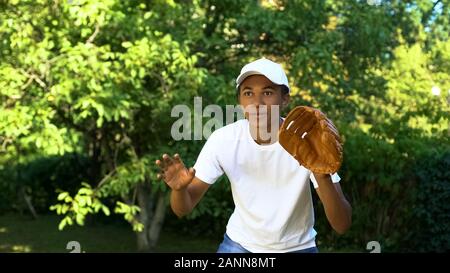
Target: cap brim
point(242, 77)
point(247, 74)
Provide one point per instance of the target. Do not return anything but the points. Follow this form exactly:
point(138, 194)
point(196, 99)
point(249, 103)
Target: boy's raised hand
point(174, 173)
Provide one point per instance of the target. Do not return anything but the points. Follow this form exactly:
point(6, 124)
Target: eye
point(247, 93)
point(268, 93)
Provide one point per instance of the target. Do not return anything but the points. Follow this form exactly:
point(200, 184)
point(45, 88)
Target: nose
point(258, 101)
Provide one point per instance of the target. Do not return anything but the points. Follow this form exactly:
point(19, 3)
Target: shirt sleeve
point(207, 167)
point(334, 177)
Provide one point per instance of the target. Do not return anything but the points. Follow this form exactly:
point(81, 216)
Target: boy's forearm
point(337, 208)
point(181, 202)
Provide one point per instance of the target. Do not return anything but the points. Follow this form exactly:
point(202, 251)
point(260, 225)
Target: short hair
point(284, 90)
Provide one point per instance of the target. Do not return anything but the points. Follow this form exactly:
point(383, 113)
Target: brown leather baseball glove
point(311, 138)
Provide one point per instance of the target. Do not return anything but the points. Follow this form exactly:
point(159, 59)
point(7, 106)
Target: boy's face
point(258, 93)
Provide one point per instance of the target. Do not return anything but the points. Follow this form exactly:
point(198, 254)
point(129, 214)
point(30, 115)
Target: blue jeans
point(230, 246)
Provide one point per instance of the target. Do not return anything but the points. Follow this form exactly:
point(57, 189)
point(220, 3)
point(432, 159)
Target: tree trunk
point(158, 220)
point(95, 166)
point(151, 216)
point(143, 196)
point(28, 202)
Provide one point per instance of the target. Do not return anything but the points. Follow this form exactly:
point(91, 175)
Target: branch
point(39, 81)
point(105, 179)
point(92, 37)
point(27, 199)
point(128, 140)
point(32, 77)
point(427, 15)
point(25, 86)
point(162, 81)
point(6, 141)
point(54, 59)
point(134, 195)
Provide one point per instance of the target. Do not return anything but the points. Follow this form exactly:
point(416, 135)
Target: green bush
point(399, 193)
point(431, 230)
point(41, 178)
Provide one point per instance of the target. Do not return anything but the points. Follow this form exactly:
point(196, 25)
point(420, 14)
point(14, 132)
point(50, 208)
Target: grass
point(19, 233)
point(22, 234)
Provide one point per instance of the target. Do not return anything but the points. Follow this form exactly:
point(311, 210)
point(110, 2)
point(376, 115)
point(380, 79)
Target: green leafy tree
point(76, 78)
point(98, 79)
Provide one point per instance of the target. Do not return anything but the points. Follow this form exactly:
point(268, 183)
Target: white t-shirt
point(273, 205)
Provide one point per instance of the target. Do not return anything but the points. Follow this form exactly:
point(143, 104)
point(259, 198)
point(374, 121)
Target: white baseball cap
point(271, 70)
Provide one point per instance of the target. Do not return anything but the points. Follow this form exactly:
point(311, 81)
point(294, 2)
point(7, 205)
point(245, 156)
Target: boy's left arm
point(337, 208)
point(313, 140)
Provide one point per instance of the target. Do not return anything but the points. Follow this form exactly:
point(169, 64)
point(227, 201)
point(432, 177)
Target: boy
point(273, 205)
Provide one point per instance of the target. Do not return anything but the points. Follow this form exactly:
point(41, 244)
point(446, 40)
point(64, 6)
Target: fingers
point(163, 165)
point(177, 159)
point(303, 120)
point(293, 115)
point(335, 133)
point(166, 162)
point(304, 124)
point(160, 176)
point(297, 124)
point(329, 127)
point(191, 172)
point(326, 122)
point(331, 146)
point(159, 163)
point(309, 120)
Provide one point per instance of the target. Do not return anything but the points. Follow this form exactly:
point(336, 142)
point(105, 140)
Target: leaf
point(105, 210)
point(85, 191)
point(62, 195)
point(79, 219)
point(127, 44)
point(64, 209)
point(86, 185)
point(99, 122)
point(81, 201)
point(142, 72)
point(138, 227)
point(88, 200)
point(62, 224)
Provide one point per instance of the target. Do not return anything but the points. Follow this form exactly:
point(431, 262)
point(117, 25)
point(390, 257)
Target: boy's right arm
point(184, 201)
point(187, 190)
